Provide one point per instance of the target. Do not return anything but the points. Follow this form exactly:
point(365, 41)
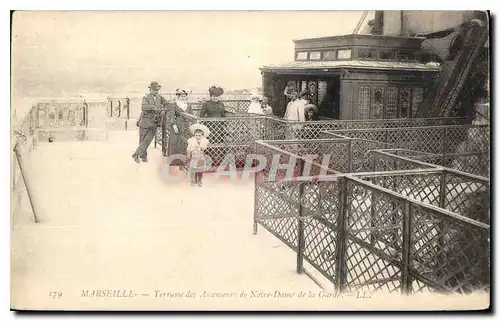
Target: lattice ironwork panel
point(402, 122)
point(237, 106)
point(320, 246)
point(287, 166)
point(363, 102)
point(467, 139)
point(472, 163)
point(391, 102)
point(424, 187)
point(235, 130)
point(320, 215)
point(277, 199)
point(226, 155)
point(447, 254)
point(277, 206)
point(332, 154)
point(275, 128)
point(385, 162)
point(367, 272)
point(311, 130)
point(418, 96)
point(374, 239)
point(467, 196)
point(375, 216)
point(361, 156)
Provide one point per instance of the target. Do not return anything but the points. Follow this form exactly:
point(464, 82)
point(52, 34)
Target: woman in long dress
point(173, 126)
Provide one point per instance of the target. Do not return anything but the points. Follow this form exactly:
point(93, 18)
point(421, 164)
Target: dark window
point(386, 55)
point(329, 55)
point(367, 54)
point(406, 55)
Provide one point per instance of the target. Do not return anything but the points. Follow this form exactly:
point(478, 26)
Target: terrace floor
point(109, 223)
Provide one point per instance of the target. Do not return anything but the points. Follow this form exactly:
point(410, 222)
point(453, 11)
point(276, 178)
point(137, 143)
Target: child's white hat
point(201, 127)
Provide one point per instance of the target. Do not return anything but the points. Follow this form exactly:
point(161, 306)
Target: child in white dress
point(197, 145)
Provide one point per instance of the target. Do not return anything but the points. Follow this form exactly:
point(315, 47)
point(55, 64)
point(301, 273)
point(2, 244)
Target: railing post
point(349, 156)
point(445, 134)
point(255, 199)
point(406, 282)
point(442, 189)
point(340, 266)
point(300, 239)
point(442, 197)
point(164, 145)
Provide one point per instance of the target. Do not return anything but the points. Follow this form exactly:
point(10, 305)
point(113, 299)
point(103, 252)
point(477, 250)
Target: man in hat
point(149, 120)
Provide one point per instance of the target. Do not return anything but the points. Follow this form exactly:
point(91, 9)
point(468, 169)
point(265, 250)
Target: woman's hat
point(311, 106)
point(201, 127)
point(291, 88)
point(181, 92)
point(215, 91)
point(154, 85)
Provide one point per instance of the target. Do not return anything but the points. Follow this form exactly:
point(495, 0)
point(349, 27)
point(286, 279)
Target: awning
point(325, 66)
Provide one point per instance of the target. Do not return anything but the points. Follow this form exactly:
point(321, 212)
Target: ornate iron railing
point(408, 230)
point(448, 139)
point(465, 148)
point(235, 134)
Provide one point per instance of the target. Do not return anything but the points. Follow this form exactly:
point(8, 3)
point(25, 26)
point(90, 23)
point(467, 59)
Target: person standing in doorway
point(266, 109)
point(149, 120)
point(295, 108)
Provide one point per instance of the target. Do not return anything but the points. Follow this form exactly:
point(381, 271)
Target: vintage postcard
point(250, 160)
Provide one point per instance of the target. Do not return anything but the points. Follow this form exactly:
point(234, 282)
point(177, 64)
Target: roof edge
point(351, 36)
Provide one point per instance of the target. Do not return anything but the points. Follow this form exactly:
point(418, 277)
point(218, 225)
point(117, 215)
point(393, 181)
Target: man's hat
point(154, 85)
point(201, 127)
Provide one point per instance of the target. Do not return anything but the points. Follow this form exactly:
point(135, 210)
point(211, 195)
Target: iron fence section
point(236, 133)
point(396, 231)
point(431, 139)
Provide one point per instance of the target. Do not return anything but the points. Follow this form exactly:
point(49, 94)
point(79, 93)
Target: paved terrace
point(109, 223)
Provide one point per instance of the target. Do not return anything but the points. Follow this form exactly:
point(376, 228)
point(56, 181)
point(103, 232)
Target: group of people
point(298, 109)
point(150, 119)
point(260, 106)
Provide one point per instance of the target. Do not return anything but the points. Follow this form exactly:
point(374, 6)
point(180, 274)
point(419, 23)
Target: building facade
point(355, 76)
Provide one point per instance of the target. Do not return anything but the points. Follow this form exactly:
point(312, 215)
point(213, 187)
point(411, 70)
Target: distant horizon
point(71, 53)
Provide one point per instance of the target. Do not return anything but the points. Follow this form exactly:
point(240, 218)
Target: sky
point(68, 53)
